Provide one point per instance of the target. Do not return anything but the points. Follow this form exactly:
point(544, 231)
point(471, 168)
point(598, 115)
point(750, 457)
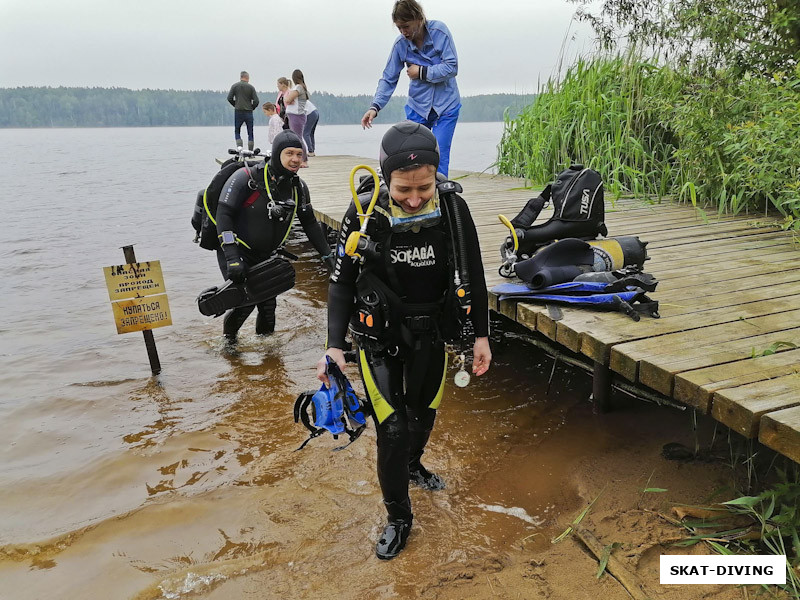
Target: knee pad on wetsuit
point(393, 431)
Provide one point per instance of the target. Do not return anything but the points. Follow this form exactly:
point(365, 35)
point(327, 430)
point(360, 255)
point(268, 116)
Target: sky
point(504, 46)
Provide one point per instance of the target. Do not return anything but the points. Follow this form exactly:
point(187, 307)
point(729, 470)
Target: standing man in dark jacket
point(244, 100)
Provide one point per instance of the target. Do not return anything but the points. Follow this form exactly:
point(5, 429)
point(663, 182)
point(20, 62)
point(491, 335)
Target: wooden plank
point(676, 347)
point(571, 336)
point(696, 388)
point(683, 310)
point(527, 315)
point(505, 308)
point(669, 264)
point(741, 408)
point(700, 234)
point(780, 430)
point(659, 372)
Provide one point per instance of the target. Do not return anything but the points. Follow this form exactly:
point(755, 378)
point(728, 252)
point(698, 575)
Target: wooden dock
point(728, 340)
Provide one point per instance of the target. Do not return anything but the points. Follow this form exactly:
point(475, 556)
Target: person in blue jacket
point(427, 52)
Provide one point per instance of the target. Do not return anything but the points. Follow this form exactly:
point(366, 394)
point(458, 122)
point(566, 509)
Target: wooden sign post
point(139, 301)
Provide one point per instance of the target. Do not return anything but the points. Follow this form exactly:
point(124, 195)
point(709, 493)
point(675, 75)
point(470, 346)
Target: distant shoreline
point(193, 126)
point(64, 107)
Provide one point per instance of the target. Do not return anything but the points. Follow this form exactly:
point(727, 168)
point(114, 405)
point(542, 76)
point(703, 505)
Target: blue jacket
point(436, 88)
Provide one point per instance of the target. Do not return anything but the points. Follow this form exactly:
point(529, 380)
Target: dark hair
point(297, 78)
point(244, 74)
point(415, 166)
point(407, 10)
point(268, 106)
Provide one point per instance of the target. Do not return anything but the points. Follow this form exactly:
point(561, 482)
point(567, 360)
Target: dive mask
point(428, 216)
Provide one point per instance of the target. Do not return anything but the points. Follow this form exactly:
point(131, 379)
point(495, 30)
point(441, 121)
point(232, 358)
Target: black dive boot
point(265, 320)
point(419, 475)
point(395, 534)
point(233, 321)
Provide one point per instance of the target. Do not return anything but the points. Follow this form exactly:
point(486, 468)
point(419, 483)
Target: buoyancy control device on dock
point(562, 261)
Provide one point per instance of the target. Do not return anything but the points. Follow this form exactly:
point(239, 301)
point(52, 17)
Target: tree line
point(121, 107)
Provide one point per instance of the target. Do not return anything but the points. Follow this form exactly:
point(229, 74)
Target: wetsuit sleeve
point(388, 81)
point(309, 222)
point(342, 287)
point(230, 203)
point(449, 66)
point(479, 315)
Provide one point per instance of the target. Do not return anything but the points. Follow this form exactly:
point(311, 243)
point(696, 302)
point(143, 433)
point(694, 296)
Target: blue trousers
point(443, 127)
point(242, 117)
point(310, 128)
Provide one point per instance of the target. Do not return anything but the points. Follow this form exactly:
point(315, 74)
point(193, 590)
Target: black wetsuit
point(246, 212)
point(404, 381)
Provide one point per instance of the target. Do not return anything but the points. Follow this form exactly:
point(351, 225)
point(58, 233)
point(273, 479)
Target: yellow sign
point(134, 279)
point(138, 314)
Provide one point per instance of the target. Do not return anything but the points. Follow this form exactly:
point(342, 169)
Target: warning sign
point(138, 314)
point(134, 279)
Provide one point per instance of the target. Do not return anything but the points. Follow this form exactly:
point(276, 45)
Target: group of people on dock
point(292, 110)
point(406, 274)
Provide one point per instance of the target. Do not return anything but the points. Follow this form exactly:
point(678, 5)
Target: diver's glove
point(330, 262)
point(235, 267)
point(237, 270)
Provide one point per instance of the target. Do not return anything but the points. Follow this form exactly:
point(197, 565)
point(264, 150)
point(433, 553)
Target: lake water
point(116, 484)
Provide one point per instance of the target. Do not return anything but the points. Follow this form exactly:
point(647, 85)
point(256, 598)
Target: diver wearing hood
point(401, 351)
point(255, 214)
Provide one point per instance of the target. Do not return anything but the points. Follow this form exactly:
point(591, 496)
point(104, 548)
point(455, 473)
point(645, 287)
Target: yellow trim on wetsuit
point(381, 407)
point(291, 221)
point(269, 195)
point(439, 394)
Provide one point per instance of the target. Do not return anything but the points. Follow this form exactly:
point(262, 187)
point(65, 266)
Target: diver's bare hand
point(337, 354)
point(481, 356)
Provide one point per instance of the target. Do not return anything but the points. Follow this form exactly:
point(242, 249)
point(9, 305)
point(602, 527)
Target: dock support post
point(601, 388)
point(149, 340)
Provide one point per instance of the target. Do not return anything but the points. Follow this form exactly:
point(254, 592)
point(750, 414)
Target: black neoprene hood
point(406, 144)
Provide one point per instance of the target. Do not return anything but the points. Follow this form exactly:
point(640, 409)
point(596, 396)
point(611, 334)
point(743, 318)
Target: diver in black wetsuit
point(399, 305)
point(255, 213)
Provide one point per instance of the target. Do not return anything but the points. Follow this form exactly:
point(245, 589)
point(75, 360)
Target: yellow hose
point(363, 216)
point(504, 220)
point(351, 245)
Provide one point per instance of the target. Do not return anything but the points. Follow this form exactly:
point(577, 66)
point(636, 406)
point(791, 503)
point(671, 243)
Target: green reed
point(653, 131)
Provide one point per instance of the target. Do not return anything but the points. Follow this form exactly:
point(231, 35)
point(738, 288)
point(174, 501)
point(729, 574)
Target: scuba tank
point(204, 214)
